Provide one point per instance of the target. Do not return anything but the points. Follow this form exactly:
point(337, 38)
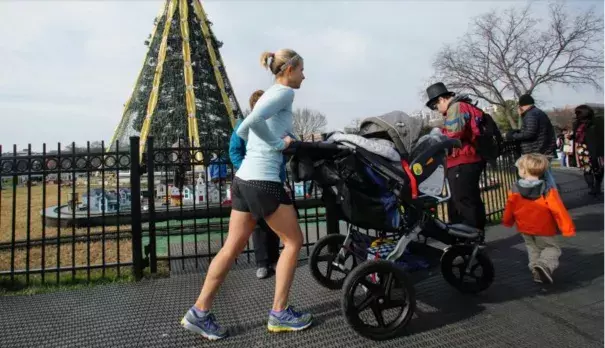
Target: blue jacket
point(218, 169)
point(237, 152)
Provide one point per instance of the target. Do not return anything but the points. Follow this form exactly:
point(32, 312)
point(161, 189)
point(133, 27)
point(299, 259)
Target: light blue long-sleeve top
point(263, 130)
point(237, 152)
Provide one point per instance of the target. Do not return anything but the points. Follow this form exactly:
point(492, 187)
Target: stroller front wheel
point(467, 277)
point(378, 299)
point(325, 251)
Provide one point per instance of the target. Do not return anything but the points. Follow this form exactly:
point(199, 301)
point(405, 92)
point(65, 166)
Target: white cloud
point(67, 67)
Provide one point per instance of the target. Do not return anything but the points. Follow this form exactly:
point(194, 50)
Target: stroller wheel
point(323, 261)
point(454, 264)
point(378, 299)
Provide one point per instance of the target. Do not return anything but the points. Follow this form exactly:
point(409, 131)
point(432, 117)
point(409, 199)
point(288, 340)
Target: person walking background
point(588, 138)
point(537, 135)
point(565, 148)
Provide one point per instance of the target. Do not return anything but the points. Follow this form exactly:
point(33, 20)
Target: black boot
point(589, 178)
point(595, 189)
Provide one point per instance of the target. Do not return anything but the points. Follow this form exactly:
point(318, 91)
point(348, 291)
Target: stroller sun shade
point(396, 126)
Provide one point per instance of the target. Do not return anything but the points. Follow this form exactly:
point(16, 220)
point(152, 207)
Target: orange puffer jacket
point(536, 210)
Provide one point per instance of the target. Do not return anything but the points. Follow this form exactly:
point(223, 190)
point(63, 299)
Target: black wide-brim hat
point(435, 91)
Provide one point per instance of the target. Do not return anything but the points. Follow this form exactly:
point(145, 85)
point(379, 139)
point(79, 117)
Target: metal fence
point(55, 224)
point(86, 213)
point(187, 219)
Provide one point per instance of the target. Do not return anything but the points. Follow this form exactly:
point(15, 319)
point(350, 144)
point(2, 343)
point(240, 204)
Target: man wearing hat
point(464, 164)
point(537, 134)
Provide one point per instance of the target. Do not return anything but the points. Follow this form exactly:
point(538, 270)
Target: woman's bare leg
point(285, 224)
point(240, 228)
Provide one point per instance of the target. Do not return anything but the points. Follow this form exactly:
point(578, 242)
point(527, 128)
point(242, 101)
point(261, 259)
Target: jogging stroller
point(385, 180)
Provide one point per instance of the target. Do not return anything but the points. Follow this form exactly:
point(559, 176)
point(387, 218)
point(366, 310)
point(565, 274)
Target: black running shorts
point(260, 198)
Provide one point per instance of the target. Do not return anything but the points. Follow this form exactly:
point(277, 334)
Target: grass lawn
point(96, 252)
point(82, 253)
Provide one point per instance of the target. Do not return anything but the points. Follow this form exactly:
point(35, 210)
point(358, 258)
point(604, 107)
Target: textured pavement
point(514, 312)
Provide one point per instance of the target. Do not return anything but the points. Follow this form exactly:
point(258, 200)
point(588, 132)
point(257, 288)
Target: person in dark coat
point(588, 141)
point(537, 135)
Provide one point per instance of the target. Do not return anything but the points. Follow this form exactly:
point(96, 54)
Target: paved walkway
point(514, 312)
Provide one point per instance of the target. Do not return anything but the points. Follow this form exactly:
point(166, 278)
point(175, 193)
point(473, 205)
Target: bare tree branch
point(308, 122)
point(509, 53)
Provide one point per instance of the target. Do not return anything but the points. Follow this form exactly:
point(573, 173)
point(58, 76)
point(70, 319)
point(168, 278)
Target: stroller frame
point(467, 242)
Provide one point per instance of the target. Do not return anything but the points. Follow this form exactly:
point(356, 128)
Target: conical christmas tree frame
point(182, 90)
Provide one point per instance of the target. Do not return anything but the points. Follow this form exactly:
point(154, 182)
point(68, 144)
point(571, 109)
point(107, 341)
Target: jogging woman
point(257, 193)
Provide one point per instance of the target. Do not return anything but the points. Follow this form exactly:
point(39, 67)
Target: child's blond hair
point(533, 164)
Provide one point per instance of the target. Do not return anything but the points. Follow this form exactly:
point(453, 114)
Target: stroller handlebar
point(295, 146)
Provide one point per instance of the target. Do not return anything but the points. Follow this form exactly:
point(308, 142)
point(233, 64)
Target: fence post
point(135, 189)
point(153, 265)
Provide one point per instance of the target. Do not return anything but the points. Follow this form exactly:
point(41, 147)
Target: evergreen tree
point(169, 118)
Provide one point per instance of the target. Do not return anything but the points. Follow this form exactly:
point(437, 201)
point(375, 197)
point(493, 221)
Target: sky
point(68, 67)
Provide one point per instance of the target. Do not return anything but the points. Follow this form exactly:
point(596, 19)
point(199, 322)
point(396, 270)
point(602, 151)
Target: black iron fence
point(86, 213)
point(186, 206)
point(55, 224)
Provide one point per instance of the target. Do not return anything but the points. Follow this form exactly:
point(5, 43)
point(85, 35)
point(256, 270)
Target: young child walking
point(538, 210)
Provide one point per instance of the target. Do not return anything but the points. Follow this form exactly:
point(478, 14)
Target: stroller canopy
point(396, 126)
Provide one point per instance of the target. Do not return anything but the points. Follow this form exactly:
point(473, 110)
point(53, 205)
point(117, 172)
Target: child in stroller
point(375, 188)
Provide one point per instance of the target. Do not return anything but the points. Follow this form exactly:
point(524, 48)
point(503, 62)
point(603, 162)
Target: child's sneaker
point(203, 323)
point(544, 273)
point(536, 275)
point(289, 320)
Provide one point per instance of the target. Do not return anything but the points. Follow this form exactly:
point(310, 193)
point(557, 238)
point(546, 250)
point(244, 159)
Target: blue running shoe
point(289, 320)
point(204, 325)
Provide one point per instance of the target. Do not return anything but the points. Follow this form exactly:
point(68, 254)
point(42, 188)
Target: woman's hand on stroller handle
point(288, 140)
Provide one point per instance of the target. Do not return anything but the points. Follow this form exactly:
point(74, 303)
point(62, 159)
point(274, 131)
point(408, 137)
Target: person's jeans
point(564, 160)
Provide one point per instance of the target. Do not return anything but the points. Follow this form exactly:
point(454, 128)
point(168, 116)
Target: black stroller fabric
point(357, 182)
point(363, 199)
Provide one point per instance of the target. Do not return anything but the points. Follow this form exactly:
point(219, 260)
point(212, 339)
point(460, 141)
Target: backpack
point(488, 136)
